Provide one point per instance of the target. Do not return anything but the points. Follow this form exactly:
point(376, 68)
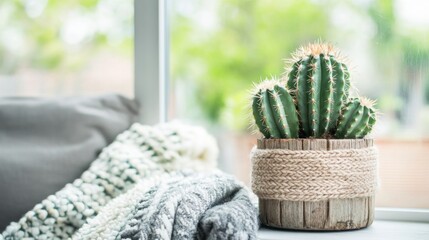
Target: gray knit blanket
point(147, 184)
point(181, 205)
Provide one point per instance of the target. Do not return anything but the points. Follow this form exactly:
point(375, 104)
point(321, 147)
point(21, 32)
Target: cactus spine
point(357, 119)
point(319, 82)
point(274, 111)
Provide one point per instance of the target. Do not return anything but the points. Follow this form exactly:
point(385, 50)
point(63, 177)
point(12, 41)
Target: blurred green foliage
point(37, 34)
point(226, 60)
point(252, 37)
point(403, 53)
point(218, 48)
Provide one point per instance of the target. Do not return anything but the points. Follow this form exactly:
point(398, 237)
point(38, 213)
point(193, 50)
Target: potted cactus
point(314, 169)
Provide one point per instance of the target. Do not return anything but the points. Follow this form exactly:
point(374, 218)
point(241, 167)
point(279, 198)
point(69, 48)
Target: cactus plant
point(357, 119)
point(274, 110)
point(319, 81)
point(314, 101)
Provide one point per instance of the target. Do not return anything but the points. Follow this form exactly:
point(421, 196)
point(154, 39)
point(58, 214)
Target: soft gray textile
point(235, 219)
point(46, 143)
point(200, 206)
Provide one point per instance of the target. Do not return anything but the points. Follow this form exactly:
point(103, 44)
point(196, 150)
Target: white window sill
point(380, 229)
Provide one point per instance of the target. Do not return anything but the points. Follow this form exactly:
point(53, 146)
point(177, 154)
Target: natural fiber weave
point(313, 175)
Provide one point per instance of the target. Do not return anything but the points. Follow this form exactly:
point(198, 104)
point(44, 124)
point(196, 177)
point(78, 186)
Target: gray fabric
point(46, 143)
point(216, 222)
point(201, 206)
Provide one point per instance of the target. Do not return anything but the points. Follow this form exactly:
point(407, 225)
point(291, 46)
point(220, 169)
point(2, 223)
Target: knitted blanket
point(138, 189)
point(183, 205)
point(139, 153)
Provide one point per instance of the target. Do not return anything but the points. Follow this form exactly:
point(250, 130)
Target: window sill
point(380, 229)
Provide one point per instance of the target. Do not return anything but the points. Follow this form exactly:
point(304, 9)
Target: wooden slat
point(260, 144)
point(293, 214)
point(273, 212)
point(371, 207)
point(348, 213)
point(263, 211)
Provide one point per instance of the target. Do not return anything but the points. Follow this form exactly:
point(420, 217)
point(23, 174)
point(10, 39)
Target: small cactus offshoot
point(357, 119)
point(274, 111)
point(314, 100)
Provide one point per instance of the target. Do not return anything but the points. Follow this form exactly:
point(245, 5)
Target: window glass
point(50, 48)
point(220, 48)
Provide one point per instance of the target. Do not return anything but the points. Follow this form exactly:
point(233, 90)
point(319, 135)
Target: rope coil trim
point(314, 175)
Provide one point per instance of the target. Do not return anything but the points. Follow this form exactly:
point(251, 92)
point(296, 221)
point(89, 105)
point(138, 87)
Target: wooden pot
point(326, 215)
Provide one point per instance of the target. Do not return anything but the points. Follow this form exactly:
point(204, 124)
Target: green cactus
point(316, 101)
point(274, 111)
point(357, 119)
point(319, 81)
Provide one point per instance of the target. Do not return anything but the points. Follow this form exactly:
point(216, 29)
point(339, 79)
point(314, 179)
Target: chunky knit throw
point(139, 153)
point(184, 205)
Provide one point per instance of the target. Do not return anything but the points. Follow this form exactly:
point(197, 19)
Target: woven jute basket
point(315, 184)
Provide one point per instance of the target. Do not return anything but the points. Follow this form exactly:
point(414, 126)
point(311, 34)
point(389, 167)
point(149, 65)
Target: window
point(50, 48)
point(219, 48)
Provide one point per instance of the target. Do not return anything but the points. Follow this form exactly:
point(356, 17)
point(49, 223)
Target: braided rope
point(313, 175)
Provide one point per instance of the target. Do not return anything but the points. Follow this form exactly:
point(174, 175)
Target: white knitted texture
point(107, 224)
point(138, 153)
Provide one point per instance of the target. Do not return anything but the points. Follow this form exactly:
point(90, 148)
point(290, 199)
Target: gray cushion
point(46, 143)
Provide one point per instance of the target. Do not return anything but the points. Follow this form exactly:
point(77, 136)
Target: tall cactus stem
point(320, 83)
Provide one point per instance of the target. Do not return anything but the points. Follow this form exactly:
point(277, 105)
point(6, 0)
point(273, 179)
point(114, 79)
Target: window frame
point(151, 32)
point(402, 214)
point(151, 85)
